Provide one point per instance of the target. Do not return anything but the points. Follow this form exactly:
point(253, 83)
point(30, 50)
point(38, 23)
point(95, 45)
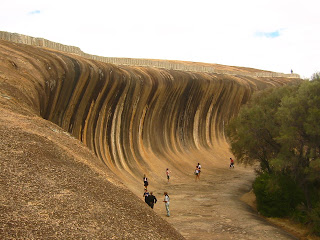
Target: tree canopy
point(280, 129)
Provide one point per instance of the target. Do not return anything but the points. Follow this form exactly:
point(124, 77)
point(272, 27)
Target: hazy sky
point(275, 35)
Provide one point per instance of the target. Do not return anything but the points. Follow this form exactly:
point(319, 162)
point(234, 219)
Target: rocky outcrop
point(133, 119)
point(125, 113)
point(166, 64)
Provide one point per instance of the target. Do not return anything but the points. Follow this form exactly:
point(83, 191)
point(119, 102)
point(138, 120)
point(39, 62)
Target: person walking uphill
point(151, 200)
point(166, 202)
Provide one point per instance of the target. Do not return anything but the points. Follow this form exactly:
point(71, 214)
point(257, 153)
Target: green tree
point(299, 118)
point(254, 131)
point(280, 129)
point(274, 195)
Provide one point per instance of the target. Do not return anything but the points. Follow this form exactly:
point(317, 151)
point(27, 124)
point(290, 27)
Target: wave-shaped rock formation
point(134, 119)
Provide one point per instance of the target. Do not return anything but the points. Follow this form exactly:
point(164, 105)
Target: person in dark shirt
point(151, 200)
point(145, 195)
point(145, 181)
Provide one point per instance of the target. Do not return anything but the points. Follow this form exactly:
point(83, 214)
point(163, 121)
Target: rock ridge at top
point(166, 64)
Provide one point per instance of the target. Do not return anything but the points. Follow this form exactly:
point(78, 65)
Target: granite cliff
point(75, 130)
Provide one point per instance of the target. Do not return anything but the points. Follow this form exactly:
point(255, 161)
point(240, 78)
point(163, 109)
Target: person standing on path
point(151, 200)
point(231, 163)
point(168, 174)
point(145, 195)
point(166, 202)
point(199, 168)
point(145, 181)
point(196, 172)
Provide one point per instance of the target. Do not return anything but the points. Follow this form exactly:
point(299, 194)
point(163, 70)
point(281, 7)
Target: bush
point(315, 220)
point(300, 215)
point(280, 129)
point(277, 195)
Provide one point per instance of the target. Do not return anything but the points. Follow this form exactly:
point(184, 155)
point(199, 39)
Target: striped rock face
point(73, 130)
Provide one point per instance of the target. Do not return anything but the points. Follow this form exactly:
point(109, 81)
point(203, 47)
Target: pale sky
point(275, 35)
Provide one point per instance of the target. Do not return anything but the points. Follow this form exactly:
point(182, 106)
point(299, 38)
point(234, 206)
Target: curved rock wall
point(135, 120)
point(132, 117)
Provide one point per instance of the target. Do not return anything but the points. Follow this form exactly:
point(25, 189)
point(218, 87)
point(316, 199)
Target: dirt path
point(211, 209)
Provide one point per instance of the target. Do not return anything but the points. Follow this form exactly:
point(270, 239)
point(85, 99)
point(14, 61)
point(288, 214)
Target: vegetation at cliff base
point(280, 129)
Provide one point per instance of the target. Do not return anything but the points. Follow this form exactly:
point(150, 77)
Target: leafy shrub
point(315, 219)
point(277, 195)
point(280, 129)
point(301, 214)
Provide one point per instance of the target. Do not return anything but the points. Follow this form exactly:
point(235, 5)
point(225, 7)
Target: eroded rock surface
point(77, 133)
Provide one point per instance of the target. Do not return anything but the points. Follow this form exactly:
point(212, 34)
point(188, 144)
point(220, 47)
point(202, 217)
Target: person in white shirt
point(166, 202)
point(199, 169)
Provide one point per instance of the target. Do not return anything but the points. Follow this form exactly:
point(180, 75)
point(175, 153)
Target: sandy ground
point(211, 208)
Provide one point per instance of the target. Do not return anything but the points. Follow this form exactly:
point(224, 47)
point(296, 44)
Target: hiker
point(145, 195)
point(151, 200)
point(166, 203)
point(168, 174)
point(145, 181)
point(231, 163)
point(199, 167)
point(196, 172)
